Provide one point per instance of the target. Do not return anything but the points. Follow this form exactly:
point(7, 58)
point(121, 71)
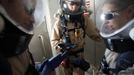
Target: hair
point(120, 4)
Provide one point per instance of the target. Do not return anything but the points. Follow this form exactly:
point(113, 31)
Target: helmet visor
point(109, 30)
point(123, 31)
point(72, 7)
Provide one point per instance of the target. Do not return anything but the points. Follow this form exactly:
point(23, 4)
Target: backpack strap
point(76, 19)
point(64, 30)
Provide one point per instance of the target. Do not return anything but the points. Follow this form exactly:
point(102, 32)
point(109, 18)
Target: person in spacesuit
point(70, 29)
point(117, 31)
point(18, 18)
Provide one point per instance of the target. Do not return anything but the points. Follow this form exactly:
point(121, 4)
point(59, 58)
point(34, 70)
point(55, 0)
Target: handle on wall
point(42, 43)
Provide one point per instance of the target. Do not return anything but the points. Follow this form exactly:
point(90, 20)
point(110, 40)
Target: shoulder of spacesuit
point(58, 14)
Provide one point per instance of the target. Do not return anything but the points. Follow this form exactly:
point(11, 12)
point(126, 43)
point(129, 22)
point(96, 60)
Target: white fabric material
point(131, 33)
point(128, 71)
point(111, 58)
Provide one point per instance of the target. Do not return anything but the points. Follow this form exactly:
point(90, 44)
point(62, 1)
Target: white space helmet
point(65, 9)
point(126, 31)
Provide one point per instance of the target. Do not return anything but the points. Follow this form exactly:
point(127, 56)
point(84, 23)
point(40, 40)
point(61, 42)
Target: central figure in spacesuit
point(70, 28)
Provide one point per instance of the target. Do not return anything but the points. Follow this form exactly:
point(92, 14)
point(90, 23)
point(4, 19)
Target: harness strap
point(64, 24)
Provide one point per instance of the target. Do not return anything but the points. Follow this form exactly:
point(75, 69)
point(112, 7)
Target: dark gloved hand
point(125, 60)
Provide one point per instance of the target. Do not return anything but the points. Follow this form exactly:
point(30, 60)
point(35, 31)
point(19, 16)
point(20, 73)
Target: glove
point(125, 60)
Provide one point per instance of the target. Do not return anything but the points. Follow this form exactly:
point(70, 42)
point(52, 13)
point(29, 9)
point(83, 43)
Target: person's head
point(117, 13)
point(72, 7)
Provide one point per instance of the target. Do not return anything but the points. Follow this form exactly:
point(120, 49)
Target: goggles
point(74, 3)
point(108, 15)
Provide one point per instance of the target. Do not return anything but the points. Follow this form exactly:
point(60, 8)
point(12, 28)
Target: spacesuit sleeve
point(55, 38)
point(91, 30)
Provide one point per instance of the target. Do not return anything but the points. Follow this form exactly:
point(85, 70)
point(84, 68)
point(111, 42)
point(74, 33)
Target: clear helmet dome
point(65, 9)
point(107, 32)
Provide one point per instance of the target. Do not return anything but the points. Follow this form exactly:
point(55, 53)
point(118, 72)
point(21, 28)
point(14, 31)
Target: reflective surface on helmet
point(108, 15)
point(66, 4)
point(123, 31)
